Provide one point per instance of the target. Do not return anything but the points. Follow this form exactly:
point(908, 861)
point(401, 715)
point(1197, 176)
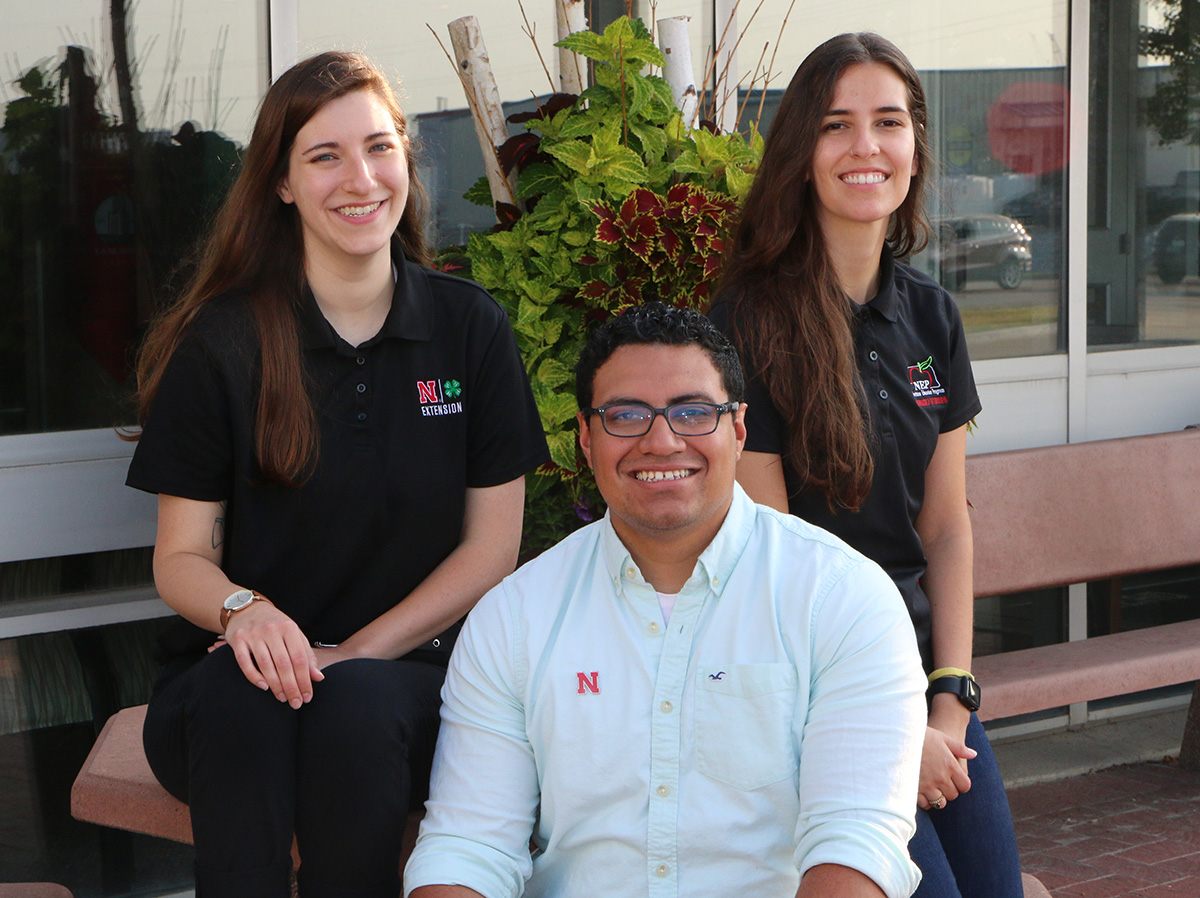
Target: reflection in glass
point(1169, 183)
point(104, 186)
point(996, 82)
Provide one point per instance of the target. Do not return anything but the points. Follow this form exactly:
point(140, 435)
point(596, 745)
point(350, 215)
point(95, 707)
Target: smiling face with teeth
point(665, 492)
point(348, 179)
point(865, 155)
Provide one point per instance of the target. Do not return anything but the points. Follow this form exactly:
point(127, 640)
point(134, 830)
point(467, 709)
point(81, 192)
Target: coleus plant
point(623, 204)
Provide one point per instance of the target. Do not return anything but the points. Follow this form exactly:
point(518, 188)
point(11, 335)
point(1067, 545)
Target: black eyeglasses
point(687, 419)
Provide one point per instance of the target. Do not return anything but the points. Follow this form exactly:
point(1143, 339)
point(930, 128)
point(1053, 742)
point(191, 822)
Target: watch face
point(239, 600)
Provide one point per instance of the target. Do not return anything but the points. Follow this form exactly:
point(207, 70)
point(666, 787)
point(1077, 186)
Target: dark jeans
point(969, 849)
point(340, 773)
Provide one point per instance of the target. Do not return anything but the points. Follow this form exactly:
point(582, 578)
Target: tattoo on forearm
point(218, 531)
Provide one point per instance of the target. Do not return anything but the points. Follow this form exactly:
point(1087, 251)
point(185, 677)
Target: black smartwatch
point(963, 686)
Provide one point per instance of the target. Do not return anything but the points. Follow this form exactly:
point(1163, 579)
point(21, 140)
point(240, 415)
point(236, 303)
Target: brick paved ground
point(1126, 831)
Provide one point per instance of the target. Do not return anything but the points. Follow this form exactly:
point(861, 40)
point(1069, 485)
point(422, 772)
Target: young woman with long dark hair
point(859, 398)
point(338, 437)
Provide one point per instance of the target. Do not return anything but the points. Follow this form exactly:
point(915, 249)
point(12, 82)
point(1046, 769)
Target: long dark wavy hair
point(256, 245)
point(791, 318)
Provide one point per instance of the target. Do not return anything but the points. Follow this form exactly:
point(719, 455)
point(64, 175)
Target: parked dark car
point(994, 247)
point(1176, 249)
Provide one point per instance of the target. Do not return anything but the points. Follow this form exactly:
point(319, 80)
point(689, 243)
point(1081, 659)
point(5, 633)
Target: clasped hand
point(273, 652)
point(943, 766)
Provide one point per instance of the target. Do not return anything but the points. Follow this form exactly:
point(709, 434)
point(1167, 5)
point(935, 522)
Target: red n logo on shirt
point(587, 684)
point(427, 390)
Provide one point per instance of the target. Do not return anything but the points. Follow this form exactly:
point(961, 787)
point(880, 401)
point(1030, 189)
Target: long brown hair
point(792, 319)
point(256, 245)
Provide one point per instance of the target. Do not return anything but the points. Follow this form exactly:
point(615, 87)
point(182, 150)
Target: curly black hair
point(658, 323)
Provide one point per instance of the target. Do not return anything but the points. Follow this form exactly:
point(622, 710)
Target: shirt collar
point(715, 565)
point(884, 301)
point(410, 317)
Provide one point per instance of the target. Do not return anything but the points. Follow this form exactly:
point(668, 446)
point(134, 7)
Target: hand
point(273, 653)
point(944, 760)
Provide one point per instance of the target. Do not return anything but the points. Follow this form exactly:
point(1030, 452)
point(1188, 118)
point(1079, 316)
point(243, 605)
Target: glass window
point(995, 79)
point(111, 160)
point(1144, 176)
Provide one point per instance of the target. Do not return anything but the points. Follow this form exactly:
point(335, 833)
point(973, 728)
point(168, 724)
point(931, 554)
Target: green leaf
point(638, 93)
point(589, 44)
point(562, 448)
point(536, 179)
point(554, 373)
point(479, 193)
point(575, 155)
point(739, 181)
point(557, 406)
point(653, 139)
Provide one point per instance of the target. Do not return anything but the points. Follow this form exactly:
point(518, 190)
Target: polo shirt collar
point(885, 301)
point(715, 565)
point(410, 317)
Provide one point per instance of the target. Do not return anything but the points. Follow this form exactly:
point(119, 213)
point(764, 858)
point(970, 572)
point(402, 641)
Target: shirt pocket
point(744, 723)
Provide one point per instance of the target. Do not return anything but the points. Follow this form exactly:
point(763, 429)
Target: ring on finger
point(939, 803)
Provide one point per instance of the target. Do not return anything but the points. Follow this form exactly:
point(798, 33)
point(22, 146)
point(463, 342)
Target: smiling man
point(695, 696)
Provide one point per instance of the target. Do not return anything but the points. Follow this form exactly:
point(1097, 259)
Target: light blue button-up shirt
point(774, 724)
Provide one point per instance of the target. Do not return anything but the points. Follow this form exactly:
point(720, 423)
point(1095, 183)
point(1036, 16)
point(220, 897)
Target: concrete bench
point(1082, 512)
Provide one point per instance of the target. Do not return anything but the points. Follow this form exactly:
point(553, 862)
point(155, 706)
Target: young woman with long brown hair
point(858, 402)
point(338, 437)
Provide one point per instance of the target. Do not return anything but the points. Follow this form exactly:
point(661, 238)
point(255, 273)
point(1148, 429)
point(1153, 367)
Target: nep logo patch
point(439, 397)
point(927, 390)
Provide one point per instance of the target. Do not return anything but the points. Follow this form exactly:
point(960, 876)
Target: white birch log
point(676, 46)
point(475, 72)
point(570, 16)
point(725, 105)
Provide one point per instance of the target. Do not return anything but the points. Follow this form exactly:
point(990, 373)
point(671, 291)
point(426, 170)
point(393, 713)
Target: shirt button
point(363, 361)
point(661, 870)
point(630, 573)
point(362, 388)
point(663, 791)
point(874, 356)
point(653, 628)
point(362, 416)
point(666, 707)
point(883, 394)
point(716, 581)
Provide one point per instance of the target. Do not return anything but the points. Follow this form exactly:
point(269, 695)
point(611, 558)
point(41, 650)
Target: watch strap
point(964, 688)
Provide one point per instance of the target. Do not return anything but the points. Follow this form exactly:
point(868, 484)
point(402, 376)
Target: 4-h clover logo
point(452, 389)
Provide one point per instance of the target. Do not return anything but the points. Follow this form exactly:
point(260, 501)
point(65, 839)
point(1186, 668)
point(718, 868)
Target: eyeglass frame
point(720, 407)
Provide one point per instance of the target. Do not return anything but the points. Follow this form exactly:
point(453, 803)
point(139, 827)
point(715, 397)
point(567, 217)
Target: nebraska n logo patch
point(439, 397)
point(588, 683)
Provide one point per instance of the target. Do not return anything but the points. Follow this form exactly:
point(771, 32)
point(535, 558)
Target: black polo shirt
point(438, 401)
point(912, 359)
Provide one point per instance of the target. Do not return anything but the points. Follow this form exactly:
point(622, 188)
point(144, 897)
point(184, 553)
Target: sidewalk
point(1132, 830)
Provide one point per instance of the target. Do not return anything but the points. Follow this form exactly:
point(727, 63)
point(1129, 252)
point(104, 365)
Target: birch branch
point(475, 72)
point(725, 63)
point(570, 16)
point(676, 47)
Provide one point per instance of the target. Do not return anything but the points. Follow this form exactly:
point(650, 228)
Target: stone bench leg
point(1189, 753)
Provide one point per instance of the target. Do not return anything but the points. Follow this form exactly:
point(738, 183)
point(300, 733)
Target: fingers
point(943, 770)
point(931, 803)
point(274, 654)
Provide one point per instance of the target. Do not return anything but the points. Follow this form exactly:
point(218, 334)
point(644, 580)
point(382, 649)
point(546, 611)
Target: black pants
point(340, 773)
